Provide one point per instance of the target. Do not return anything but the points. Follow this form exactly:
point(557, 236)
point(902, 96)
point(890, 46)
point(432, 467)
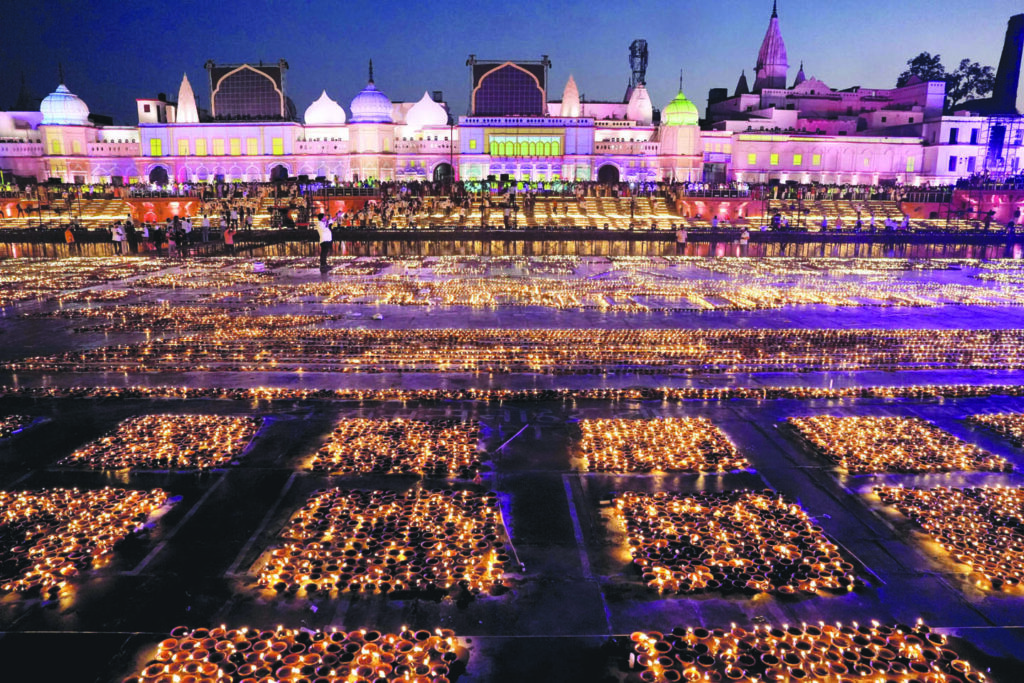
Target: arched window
point(508, 90)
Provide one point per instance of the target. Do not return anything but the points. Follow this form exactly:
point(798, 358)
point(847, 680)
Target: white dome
point(639, 108)
point(324, 112)
point(62, 107)
point(425, 113)
point(371, 106)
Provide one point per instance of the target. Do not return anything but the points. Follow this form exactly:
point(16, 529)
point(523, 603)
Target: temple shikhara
point(779, 127)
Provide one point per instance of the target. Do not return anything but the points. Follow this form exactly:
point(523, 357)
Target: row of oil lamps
point(562, 351)
point(51, 535)
point(384, 541)
point(690, 444)
point(800, 653)
point(284, 655)
point(876, 444)
point(933, 391)
point(174, 442)
point(439, 447)
point(739, 541)
point(1008, 425)
point(981, 527)
point(12, 424)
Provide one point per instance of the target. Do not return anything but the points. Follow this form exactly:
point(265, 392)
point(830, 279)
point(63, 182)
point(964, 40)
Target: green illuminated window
point(183, 148)
point(156, 147)
point(798, 159)
point(277, 146)
point(752, 159)
point(774, 159)
point(816, 160)
point(201, 147)
point(235, 147)
point(218, 147)
point(910, 165)
point(252, 147)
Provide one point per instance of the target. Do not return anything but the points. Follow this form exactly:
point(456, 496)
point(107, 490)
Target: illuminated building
point(514, 130)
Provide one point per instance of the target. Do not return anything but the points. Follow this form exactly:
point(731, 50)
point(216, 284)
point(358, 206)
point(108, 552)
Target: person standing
point(744, 242)
point(323, 230)
point(206, 228)
point(228, 235)
point(681, 241)
point(69, 237)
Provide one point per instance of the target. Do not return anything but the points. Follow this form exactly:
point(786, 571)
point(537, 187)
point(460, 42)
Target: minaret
point(772, 65)
point(742, 87)
point(187, 111)
point(800, 78)
point(570, 100)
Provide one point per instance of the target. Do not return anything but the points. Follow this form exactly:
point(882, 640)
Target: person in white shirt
point(323, 230)
point(206, 228)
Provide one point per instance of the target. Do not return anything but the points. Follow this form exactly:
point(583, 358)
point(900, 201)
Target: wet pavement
point(572, 592)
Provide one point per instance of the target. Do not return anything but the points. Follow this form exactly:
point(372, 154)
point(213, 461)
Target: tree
point(970, 81)
point(925, 66)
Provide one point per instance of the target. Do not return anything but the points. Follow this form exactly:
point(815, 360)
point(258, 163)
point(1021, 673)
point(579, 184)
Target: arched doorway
point(158, 176)
point(443, 173)
point(608, 174)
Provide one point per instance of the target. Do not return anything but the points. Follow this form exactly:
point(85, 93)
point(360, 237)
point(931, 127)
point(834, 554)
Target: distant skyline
point(115, 52)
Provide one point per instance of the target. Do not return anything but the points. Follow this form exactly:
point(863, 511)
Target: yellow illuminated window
point(236, 147)
point(76, 147)
point(866, 162)
point(277, 146)
point(156, 147)
point(201, 148)
point(183, 148)
point(56, 147)
point(218, 147)
point(798, 159)
point(816, 160)
point(728, 148)
point(752, 159)
point(910, 165)
point(252, 147)
point(774, 159)
point(472, 144)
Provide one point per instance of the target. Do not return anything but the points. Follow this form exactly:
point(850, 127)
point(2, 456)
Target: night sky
point(114, 52)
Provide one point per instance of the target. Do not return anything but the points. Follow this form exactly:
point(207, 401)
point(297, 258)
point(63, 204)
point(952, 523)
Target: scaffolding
point(1003, 135)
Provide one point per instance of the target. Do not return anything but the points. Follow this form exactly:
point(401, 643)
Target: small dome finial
point(60, 72)
point(371, 71)
point(775, 9)
point(680, 80)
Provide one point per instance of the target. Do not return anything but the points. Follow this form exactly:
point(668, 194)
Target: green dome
point(680, 112)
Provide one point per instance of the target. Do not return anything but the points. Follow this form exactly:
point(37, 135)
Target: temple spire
point(772, 63)
point(186, 111)
point(775, 9)
point(742, 87)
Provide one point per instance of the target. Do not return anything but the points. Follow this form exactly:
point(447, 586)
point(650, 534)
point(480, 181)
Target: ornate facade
point(807, 132)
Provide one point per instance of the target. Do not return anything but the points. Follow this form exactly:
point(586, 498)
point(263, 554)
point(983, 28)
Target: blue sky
point(114, 52)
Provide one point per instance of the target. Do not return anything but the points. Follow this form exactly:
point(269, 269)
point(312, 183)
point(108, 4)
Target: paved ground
point(565, 612)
